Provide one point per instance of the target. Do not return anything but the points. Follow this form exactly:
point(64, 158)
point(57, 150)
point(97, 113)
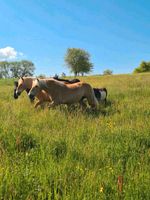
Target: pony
point(62, 93)
point(16, 85)
point(100, 93)
point(25, 83)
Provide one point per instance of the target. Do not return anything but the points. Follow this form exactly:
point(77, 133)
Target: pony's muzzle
point(32, 97)
point(15, 95)
point(18, 93)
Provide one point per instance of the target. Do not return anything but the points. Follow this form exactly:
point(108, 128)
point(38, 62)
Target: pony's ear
point(38, 80)
point(22, 78)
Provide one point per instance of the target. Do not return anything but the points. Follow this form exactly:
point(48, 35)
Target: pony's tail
point(105, 91)
point(91, 98)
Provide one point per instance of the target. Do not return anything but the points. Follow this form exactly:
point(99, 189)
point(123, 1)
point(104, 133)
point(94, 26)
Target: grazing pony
point(62, 93)
point(25, 83)
point(100, 94)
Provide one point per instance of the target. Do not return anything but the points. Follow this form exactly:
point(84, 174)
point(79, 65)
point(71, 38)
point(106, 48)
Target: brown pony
point(25, 83)
point(62, 93)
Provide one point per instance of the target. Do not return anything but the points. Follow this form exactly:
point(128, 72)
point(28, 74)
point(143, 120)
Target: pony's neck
point(43, 85)
point(28, 83)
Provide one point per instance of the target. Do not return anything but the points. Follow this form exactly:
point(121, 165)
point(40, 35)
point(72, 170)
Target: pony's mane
point(41, 83)
point(28, 77)
point(51, 80)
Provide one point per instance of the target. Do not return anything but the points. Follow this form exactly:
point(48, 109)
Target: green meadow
point(71, 154)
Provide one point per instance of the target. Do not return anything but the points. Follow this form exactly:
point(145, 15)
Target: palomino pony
point(16, 85)
point(62, 93)
point(100, 93)
point(25, 83)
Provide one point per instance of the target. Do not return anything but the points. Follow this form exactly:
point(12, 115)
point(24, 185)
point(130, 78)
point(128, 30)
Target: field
point(74, 155)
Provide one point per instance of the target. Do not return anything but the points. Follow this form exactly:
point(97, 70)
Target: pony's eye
point(36, 86)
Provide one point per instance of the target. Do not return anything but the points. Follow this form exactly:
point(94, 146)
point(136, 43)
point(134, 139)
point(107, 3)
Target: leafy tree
point(26, 68)
point(107, 72)
point(78, 60)
point(41, 76)
point(143, 67)
point(16, 69)
point(63, 74)
point(56, 76)
point(4, 69)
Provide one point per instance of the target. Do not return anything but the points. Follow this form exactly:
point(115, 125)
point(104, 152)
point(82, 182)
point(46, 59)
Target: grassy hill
point(63, 154)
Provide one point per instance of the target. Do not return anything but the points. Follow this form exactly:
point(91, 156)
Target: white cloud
point(9, 53)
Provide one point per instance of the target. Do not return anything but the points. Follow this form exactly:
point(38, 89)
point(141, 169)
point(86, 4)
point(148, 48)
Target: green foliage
point(42, 76)
point(16, 69)
point(63, 74)
point(143, 67)
point(76, 155)
point(4, 69)
point(78, 61)
point(107, 72)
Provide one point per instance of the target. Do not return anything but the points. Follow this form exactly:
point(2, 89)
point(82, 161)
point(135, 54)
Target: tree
point(143, 67)
point(26, 68)
point(41, 76)
point(16, 69)
point(56, 76)
point(107, 72)
point(63, 74)
point(4, 69)
point(78, 60)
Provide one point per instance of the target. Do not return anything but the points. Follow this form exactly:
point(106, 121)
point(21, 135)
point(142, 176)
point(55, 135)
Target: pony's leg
point(52, 104)
point(83, 104)
point(37, 104)
point(92, 101)
point(105, 101)
point(42, 105)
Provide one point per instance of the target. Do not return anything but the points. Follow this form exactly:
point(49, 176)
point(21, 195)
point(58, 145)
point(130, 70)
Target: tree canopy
point(16, 69)
point(107, 72)
point(78, 61)
point(143, 67)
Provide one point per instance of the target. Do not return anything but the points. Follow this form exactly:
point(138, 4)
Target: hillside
point(70, 154)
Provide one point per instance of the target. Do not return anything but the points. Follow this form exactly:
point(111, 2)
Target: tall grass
point(63, 154)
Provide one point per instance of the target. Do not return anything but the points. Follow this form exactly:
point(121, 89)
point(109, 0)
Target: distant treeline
point(16, 69)
point(76, 59)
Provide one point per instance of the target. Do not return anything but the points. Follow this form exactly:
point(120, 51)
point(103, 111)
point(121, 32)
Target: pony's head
point(35, 89)
point(20, 87)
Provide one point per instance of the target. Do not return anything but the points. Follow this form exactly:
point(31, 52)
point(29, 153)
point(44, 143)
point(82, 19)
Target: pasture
point(74, 155)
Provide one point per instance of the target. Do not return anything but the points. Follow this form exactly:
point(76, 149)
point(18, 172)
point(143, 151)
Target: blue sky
point(115, 32)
